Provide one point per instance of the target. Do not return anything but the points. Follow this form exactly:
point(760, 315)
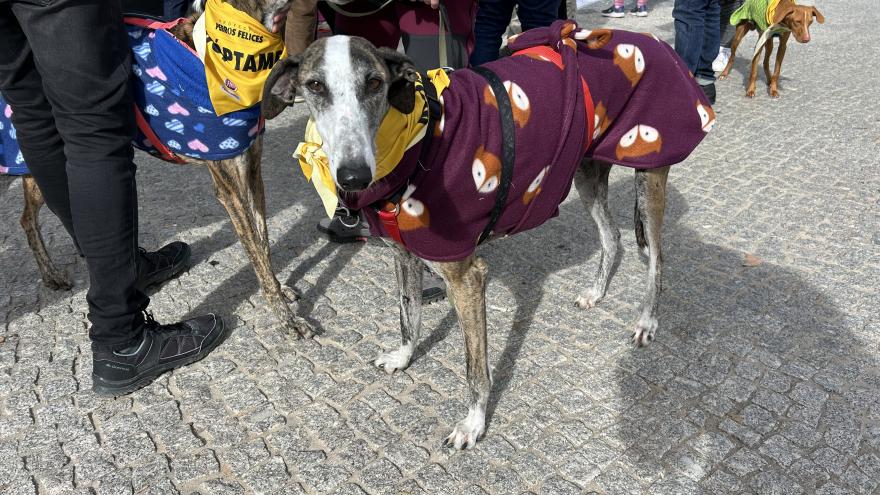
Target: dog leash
point(390, 208)
point(508, 155)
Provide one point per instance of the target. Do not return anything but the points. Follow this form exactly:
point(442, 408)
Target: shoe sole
point(432, 297)
point(341, 239)
point(109, 388)
point(614, 16)
point(182, 267)
point(639, 14)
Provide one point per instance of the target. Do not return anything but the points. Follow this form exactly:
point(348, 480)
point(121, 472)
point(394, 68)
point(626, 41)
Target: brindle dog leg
point(53, 278)
point(409, 271)
point(592, 185)
point(239, 188)
point(466, 283)
point(651, 204)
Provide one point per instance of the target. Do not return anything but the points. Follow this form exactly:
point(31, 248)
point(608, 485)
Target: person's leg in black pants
point(537, 13)
point(64, 69)
point(493, 16)
point(75, 129)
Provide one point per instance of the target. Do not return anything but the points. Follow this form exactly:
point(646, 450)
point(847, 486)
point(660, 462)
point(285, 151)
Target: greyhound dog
point(238, 185)
point(351, 87)
point(790, 19)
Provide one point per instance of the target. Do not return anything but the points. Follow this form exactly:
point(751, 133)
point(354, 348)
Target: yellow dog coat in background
point(239, 54)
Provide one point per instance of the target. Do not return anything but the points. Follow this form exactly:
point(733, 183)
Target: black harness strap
point(508, 156)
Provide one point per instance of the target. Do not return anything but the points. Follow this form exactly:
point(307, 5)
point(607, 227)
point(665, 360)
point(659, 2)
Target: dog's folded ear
point(818, 15)
point(401, 85)
point(594, 39)
point(784, 8)
point(280, 88)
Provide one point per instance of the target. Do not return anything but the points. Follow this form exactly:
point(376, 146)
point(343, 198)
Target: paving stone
point(559, 485)
point(722, 482)
point(780, 449)
point(323, 477)
point(808, 474)
point(268, 477)
point(744, 462)
point(380, 476)
point(713, 446)
point(192, 466)
point(773, 483)
point(859, 481)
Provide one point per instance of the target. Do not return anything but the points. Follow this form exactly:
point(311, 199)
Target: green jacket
point(758, 11)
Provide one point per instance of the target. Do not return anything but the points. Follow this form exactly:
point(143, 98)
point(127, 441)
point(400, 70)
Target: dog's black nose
point(354, 177)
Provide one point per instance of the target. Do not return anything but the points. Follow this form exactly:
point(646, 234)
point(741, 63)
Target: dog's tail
point(198, 6)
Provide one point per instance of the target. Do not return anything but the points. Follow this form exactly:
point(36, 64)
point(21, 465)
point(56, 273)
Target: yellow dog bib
point(397, 133)
point(240, 53)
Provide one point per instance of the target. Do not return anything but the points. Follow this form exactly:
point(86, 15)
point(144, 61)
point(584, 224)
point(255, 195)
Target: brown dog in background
point(797, 18)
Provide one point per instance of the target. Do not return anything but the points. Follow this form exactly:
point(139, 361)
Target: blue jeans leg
point(697, 35)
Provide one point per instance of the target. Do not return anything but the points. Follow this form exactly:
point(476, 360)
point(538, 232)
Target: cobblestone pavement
point(763, 379)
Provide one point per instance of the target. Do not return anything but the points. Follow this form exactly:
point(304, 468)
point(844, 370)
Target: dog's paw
point(644, 331)
point(467, 431)
point(750, 93)
point(57, 281)
point(722, 76)
point(589, 299)
point(774, 94)
point(395, 360)
point(302, 327)
point(289, 293)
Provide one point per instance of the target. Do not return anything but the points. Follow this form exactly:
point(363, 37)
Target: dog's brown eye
point(373, 84)
point(315, 86)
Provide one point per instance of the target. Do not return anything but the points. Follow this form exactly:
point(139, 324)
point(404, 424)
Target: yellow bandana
point(240, 54)
point(397, 133)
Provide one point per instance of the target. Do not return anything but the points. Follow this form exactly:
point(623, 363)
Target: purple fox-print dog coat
point(648, 112)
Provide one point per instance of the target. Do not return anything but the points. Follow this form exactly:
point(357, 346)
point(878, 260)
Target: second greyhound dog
point(494, 154)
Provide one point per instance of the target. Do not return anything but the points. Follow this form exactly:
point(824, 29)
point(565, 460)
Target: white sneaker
point(721, 60)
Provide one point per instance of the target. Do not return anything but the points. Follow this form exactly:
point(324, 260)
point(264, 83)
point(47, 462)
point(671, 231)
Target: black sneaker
point(709, 91)
point(433, 287)
point(162, 348)
point(613, 11)
point(639, 11)
point(162, 265)
point(345, 226)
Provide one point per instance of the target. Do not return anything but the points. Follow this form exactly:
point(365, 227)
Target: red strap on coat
point(165, 153)
point(551, 55)
point(388, 217)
